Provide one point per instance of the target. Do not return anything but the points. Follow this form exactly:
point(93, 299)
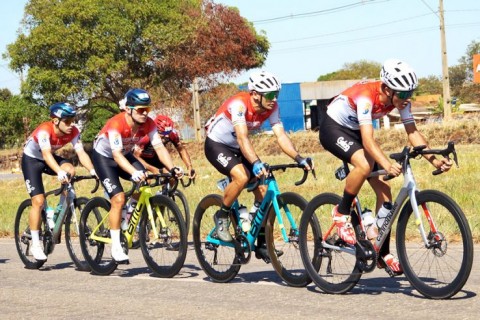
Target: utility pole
point(196, 110)
point(447, 107)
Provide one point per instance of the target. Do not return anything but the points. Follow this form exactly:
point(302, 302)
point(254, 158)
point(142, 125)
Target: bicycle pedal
point(122, 262)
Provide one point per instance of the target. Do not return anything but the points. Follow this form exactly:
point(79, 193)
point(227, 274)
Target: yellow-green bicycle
point(162, 231)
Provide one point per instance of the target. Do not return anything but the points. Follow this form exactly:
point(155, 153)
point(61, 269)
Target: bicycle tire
point(181, 201)
point(94, 252)
point(23, 237)
point(435, 272)
point(289, 264)
point(333, 271)
point(218, 262)
point(166, 255)
point(72, 239)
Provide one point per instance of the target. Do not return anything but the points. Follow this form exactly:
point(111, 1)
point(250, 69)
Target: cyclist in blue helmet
point(113, 158)
point(39, 157)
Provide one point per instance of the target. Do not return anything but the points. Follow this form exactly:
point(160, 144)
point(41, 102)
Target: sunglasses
point(404, 94)
point(68, 121)
point(270, 95)
point(142, 109)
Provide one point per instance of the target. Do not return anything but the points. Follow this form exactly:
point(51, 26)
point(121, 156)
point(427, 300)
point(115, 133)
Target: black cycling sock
point(346, 203)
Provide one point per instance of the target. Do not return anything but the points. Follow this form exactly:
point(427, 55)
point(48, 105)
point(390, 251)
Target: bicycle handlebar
point(62, 188)
point(412, 153)
point(283, 167)
point(156, 177)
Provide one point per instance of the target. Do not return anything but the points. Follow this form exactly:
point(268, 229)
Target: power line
point(377, 37)
point(316, 13)
point(350, 30)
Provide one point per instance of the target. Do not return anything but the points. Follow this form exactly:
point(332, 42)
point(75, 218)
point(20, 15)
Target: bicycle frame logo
point(135, 217)
point(386, 222)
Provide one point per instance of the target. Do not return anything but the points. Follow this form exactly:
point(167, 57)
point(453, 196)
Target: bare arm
point(416, 138)
point(85, 159)
point(136, 153)
point(284, 142)
point(246, 146)
point(123, 162)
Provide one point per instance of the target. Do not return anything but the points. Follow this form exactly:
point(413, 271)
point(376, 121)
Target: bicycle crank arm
point(333, 247)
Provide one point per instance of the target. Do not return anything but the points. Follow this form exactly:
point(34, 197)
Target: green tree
point(95, 50)
point(461, 79)
point(362, 69)
point(429, 85)
point(5, 94)
point(19, 118)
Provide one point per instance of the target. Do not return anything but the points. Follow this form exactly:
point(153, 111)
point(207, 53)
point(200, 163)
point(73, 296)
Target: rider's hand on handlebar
point(62, 176)
point(178, 172)
point(307, 163)
point(395, 170)
point(259, 169)
point(138, 176)
point(443, 164)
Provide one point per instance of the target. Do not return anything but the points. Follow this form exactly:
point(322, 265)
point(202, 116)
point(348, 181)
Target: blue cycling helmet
point(62, 110)
point(137, 97)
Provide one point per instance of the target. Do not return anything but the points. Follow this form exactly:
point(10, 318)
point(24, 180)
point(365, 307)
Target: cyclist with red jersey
point(144, 150)
point(112, 157)
point(347, 132)
point(230, 151)
point(38, 157)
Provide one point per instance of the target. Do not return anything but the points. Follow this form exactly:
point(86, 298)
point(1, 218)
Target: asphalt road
point(58, 291)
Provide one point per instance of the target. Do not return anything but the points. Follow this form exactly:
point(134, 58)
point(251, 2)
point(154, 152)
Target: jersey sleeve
point(274, 118)
point(237, 109)
point(76, 142)
point(364, 111)
point(43, 139)
point(406, 114)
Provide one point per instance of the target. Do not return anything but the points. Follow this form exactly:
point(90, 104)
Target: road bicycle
point(162, 234)
point(69, 214)
point(221, 260)
point(433, 239)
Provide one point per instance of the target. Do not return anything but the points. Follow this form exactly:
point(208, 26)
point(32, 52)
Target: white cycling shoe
point(119, 256)
point(37, 252)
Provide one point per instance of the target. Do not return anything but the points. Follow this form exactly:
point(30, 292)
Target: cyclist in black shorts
point(230, 151)
point(38, 157)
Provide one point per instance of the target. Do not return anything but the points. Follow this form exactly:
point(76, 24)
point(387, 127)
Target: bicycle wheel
point(440, 269)
point(179, 198)
point(288, 264)
point(23, 239)
point(166, 254)
point(95, 251)
point(332, 270)
point(218, 262)
point(72, 230)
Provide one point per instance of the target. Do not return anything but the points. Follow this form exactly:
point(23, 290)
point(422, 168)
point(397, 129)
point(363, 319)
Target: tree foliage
point(362, 69)
point(19, 118)
point(95, 50)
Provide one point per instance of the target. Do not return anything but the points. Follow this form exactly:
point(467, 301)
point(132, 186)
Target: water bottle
point(369, 224)
point(254, 209)
point(244, 218)
point(124, 224)
point(131, 204)
point(382, 213)
point(50, 215)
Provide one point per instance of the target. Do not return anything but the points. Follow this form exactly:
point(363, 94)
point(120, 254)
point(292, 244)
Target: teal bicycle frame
point(270, 199)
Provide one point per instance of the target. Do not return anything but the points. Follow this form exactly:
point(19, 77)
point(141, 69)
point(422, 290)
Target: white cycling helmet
point(398, 75)
point(263, 81)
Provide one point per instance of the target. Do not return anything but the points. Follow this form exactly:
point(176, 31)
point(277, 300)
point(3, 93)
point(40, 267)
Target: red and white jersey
point(147, 148)
point(118, 135)
point(237, 110)
point(360, 103)
point(44, 138)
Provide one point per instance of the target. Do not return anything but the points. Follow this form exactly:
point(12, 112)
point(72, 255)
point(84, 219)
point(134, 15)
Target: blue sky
point(311, 38)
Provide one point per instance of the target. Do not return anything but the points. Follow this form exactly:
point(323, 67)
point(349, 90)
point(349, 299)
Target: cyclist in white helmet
point(231, 152)
point(347, 132)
